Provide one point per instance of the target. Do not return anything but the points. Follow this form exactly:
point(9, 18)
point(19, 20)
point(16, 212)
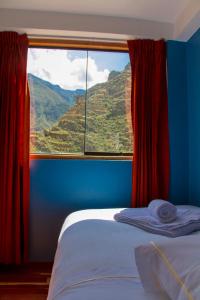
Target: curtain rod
point(76, 42)
point(79, 38)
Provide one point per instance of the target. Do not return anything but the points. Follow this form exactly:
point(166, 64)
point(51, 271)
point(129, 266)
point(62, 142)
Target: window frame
point(80, 45)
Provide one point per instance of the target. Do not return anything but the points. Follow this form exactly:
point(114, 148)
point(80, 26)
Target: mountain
point(68, 95)
point(108, 121)
point(48, 102)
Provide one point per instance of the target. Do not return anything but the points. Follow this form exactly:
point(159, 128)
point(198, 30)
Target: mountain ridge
point(49, 102)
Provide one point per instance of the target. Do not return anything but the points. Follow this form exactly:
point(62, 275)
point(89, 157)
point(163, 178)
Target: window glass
point(108, 118)
point(80, 101)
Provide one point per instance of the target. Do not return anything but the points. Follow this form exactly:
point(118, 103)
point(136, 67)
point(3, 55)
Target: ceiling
point(155, 10)
point(99, 19)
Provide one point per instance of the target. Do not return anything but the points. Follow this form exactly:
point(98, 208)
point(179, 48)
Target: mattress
point(95, 259)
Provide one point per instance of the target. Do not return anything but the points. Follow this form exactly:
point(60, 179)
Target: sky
point(67, 68)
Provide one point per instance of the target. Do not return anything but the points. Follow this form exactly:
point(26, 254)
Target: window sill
point(79, 157)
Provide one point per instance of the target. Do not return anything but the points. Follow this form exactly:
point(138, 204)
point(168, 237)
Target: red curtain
point(150, 121)
point(14, 148)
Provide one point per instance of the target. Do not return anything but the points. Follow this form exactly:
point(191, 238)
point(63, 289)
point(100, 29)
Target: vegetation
point(61, 125)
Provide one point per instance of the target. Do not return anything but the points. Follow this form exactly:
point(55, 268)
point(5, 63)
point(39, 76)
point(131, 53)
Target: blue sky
point(110, 60)
point(105, 60)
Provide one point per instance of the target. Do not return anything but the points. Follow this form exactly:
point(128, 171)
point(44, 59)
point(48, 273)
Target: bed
point(95, 258)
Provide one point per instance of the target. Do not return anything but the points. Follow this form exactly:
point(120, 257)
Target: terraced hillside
point(108, 121)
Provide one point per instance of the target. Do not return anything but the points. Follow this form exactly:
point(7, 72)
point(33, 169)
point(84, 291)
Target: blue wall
point(178, 121)
point(193, 79)
point(59, 187)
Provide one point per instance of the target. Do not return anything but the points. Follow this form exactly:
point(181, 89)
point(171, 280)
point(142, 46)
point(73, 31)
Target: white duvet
point(95, 259)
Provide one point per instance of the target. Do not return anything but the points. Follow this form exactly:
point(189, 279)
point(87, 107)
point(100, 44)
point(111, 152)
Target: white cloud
point(59, 68)
point(94, 75)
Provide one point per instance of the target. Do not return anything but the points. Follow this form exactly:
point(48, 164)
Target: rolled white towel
point(163, 210)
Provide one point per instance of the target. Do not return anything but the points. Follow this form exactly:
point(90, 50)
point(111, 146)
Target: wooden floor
point(28, 282)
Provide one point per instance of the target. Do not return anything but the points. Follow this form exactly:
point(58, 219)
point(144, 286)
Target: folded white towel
point(186, 222)
point(165, 211)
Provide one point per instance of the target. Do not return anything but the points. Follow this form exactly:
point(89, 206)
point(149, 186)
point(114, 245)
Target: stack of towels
point(161, 217)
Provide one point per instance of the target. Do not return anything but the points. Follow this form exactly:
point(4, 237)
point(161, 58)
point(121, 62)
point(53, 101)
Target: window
point(80, 102)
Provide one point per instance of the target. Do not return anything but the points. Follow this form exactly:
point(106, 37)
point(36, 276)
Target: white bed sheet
point(95, 259)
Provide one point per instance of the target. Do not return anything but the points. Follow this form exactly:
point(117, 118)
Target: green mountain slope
point(108, 126)
point(48, 102)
